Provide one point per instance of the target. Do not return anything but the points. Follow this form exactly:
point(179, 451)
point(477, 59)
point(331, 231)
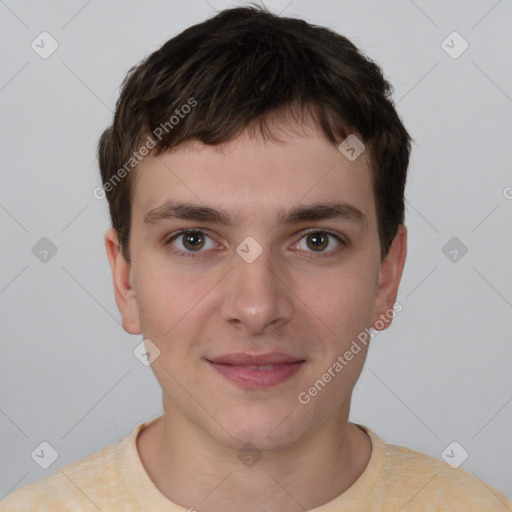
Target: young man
point(255, 173)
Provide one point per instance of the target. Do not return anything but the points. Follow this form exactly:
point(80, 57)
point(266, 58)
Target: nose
point(258, 294)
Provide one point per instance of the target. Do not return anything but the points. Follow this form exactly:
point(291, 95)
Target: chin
point(267, 430)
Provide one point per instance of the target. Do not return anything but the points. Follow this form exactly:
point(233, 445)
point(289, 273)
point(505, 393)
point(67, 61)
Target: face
point(267, 288)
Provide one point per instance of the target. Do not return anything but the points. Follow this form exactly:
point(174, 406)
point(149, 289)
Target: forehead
point(252, 177)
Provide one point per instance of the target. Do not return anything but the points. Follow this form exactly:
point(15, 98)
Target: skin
point(291, 299)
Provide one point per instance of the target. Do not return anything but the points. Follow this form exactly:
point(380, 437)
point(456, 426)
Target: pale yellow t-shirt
point(395, 479)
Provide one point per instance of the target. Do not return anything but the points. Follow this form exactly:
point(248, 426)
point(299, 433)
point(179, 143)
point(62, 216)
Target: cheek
point(167, 303)
point(166, 296)
point(340, 300)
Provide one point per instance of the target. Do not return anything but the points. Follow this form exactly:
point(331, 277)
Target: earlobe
point(390, 274)
point(122, 279)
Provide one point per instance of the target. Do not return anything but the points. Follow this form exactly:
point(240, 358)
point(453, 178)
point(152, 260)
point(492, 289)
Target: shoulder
point(428, 482)
point(76, 486)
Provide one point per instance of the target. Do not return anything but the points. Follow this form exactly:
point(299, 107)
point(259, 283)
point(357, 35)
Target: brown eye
point(190, 242)
point(321, 242)
point(317, 241)
point(193, 240)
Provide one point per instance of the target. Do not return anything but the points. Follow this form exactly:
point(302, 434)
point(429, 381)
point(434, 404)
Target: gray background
point(441, 373)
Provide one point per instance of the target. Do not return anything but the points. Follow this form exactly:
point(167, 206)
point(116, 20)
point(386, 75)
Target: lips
point(257, 371)
point(243, 359)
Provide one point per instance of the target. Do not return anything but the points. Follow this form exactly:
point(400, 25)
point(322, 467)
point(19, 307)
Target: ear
point(123, 290)
point(390, 274)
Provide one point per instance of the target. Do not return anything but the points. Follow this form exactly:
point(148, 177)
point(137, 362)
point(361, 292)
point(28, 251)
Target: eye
point(318, 241)
point(190, 242)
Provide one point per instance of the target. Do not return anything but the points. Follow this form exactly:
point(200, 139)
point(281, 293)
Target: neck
point(194, 471)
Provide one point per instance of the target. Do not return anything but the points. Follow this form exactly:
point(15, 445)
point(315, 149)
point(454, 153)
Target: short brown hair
point(242, 68)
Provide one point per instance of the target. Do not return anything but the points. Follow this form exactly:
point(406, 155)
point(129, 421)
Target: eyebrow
point(300, 213)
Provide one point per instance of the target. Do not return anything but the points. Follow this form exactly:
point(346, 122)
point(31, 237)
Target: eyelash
point(195, 254)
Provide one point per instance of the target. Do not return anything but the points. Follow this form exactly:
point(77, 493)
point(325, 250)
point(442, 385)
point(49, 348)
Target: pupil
point(191, 240)
point(318, 241)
